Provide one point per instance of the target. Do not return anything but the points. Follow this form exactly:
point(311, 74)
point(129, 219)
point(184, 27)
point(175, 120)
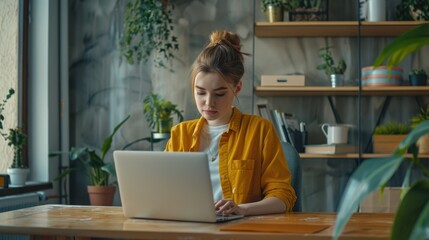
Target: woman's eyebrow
point(217, 89)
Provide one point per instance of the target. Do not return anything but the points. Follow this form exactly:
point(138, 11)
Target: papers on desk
point(276, 227)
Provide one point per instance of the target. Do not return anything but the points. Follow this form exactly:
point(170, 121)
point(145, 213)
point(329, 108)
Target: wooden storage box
point(387, 203)
point(386, 143)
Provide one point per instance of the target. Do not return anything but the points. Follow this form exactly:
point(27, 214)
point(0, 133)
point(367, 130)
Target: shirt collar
point(234, 123)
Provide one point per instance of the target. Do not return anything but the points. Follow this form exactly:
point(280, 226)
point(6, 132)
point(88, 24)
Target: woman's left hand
point(228, 207)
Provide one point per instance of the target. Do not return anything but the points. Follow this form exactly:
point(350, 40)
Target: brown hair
point(222, 56)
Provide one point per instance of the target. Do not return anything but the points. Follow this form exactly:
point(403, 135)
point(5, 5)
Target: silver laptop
point(166, 185)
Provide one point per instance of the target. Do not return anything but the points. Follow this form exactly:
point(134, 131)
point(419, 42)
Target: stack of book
point(287, 126)
point(330, 148)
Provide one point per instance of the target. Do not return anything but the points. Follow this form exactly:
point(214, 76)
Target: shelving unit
point(338, 29)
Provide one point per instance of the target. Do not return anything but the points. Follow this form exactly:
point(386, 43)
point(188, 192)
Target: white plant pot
point(18, 176)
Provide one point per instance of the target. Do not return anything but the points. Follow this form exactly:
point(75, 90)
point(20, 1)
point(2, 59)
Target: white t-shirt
point(209, 139)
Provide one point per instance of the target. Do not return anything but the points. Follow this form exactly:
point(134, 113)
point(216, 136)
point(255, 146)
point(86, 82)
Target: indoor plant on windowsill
point(17, 171)
point(101, 190)
point(16, 139)
point(411, 218)
point(159, 113)
point(334, 72)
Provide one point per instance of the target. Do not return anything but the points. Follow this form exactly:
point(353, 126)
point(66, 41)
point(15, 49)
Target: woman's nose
point(210, 101)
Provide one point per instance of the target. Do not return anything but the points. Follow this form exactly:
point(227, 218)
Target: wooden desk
point(108, 222)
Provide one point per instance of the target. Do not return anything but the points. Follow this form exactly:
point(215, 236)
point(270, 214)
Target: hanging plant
point(148, 30)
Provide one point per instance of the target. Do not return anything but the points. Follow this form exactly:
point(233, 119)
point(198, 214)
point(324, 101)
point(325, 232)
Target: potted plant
point(423, 142)
point(335, 72)
point(411, 217)
point(418, 77)
point(388, 135)
point(101, 190)
point(159, 113)
point(16, 139)
point(148, 28)
point(274, 9)
point(417, 10)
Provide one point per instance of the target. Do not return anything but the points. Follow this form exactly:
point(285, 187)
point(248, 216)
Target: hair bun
point(229, 38)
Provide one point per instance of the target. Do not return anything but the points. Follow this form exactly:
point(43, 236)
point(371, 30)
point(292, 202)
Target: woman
point(248, 169)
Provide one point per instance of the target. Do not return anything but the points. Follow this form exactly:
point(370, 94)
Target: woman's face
point(214, 96)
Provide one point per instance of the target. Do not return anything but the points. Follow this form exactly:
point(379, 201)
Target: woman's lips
point(210, 112)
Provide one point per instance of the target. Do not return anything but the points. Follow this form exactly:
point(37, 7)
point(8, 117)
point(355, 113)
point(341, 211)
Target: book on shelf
point(285, 124)
point(331, 148)
point(281, 129)
point(290, 135)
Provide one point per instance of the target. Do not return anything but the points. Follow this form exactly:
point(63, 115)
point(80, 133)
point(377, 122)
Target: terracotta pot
point(101, 195)
point(423, 144)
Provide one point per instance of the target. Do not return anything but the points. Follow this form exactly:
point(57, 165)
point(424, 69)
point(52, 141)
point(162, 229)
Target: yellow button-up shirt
point(252, 165)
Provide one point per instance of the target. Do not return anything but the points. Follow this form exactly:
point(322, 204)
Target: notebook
point(166, 185)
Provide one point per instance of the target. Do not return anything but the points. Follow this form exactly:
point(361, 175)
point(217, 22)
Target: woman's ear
point(238, 87)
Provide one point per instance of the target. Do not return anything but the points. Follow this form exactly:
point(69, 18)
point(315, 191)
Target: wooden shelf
point(312, 155)
point(333, 28)
point(263, 91)
point(29, 187)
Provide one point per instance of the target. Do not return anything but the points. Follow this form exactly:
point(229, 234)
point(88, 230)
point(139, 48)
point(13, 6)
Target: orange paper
point(275, 227)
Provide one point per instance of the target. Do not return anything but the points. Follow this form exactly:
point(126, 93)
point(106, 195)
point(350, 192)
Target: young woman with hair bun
point(249, 172)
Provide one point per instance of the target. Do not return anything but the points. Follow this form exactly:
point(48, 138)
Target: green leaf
point(422, 224)
point(76, 153)
point(414, 135)
point(109, 168)
point(404, 45)
point(371, 174)
point(108, 141)
point(411, 210)
point(64, 174)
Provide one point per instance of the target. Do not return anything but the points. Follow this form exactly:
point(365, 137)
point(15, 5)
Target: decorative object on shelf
point(283, 80)
point(274, 9)
point(148, 31)
point(336, 133)
point(158, 113)
point(418, 77)
point(388, 136)
point(310, 10)
point(330, 148)
point(423, 142)
point(334, 72)
point(97, 170)
point(417, 10)
point(374, 10)
point(16, 139)
point(382, 76)
point(411, 217)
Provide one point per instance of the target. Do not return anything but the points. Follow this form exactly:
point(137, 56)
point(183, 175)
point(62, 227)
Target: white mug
point(335, 134)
